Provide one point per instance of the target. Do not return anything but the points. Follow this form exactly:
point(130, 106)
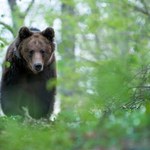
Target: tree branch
point(7, 27)
point(3, 40)
point(89, 61)
point(29, 7)
point(145, 6)
point(12, 4)
point(142, 10)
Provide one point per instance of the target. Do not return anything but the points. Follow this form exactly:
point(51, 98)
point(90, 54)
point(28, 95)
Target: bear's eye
point(31, 52)
point(42, 51)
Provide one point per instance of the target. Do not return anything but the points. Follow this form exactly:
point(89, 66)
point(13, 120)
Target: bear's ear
point(24, 32)
point(49, 33)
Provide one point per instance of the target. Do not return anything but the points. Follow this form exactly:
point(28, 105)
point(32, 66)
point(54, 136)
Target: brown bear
point(29, 65)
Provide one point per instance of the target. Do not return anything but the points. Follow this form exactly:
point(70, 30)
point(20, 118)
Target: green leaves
point(7, 64)
point(103, 51)
point(51, 83)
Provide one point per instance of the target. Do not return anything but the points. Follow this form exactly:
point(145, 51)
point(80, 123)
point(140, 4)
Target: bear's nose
point(38, 67)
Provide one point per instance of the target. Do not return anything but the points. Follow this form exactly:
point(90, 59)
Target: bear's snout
point(38, 67)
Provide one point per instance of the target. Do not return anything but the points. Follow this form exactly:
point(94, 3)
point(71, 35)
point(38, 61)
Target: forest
point(103, 67)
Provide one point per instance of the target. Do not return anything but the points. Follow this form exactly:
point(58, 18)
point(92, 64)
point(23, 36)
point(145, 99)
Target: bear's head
point(35, 47)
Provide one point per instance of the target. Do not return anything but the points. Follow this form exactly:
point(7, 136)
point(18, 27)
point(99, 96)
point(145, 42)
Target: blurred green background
point(103, 51)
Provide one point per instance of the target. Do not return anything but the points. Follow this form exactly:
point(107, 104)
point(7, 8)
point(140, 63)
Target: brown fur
point(25, 85)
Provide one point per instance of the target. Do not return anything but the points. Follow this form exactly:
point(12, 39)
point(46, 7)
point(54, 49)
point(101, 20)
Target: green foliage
point(70, 131)
point(103, 80)
point(7, 64)
point(1, 43)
